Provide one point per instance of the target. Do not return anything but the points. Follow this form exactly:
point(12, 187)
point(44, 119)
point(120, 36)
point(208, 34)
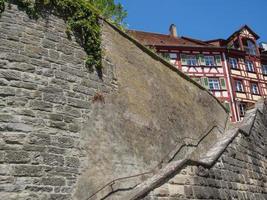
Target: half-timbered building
point(234, 69)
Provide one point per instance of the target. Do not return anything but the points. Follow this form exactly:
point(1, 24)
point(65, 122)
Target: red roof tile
point(156, 39)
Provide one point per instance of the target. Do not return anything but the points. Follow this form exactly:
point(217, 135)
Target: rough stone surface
point(65, 133)
point(44, 104)
point(239, 173)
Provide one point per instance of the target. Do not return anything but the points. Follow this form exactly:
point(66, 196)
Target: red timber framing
point(232, 69)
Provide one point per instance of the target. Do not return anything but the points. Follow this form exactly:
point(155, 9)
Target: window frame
point(232, 64)
point(251, 47)
point(215, 82)
point(237, 86)
point(249, 64)
point(191, 60)
point(264, 69)
point(242, 109)
point(257, 91)
point(173, 56)
point(209, 60)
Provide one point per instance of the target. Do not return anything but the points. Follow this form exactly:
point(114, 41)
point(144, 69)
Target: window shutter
point(201, 60)
point(205, 82)
point(218, 60)
point(183, 59)
point(223, 83)
point(227, 106)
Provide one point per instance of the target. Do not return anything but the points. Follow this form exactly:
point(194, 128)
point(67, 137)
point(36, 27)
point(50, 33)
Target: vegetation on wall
point(81, 16)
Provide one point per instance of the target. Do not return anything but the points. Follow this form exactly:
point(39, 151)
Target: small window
point(251, 48)
point(233, 63)
point(242, 109)
point(255, 88)
point(191, 60)
point(166, 56)
point(249, 66)
point(264, 69)
point(209, 60)
point(214, 84)
point(173, 56)
point(239, 86)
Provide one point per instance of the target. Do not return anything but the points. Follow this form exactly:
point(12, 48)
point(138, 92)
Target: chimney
point(173, 31)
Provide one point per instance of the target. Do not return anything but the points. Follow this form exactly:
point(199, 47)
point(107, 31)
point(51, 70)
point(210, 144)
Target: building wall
point(201, 73)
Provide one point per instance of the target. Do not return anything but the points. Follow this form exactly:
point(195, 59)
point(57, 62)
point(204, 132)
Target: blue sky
point(201, 19)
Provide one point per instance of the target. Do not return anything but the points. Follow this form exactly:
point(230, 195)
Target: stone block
point(65, 76)
point(10, 75)
point(59, 98)
point(19, 157)
point(79, 103)
point(74, 127)
point(7, 91)
point(41, 105)
point(53, 160)
point(58, 124)
point(55, 150)
point(72, 162)
point(39, 188)
point(60, 197)
point(39, 139)
point(53, 181)
point(19, 127)
point(27, 170)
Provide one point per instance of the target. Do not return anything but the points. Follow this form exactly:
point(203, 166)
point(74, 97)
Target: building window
point(191, 60)
point(250, 47)
point(214, 84)
point(166, 56)
point(255, 88)
point(173, 56)
point(242, 109)
point(239, 86)
point(209, 60)
point(264, 69)
point(249, 66)
point(233, 63)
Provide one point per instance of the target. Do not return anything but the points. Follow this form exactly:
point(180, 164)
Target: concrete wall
point(57, 142)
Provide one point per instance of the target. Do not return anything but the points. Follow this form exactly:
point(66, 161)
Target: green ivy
point(2, 5)
point(81, 17)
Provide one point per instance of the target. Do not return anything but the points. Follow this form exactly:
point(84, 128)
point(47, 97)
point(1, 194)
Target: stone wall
point(45, 96)
point(239, 173)
point(66, 133)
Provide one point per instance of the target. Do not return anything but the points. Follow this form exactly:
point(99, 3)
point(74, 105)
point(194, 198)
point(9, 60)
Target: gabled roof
point(156, 39)
point(244, 27)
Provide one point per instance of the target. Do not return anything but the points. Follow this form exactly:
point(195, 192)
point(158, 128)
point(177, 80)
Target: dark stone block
point(20, 157)
point(39, 188)
point(53, 181)
point(53, 160)
point(39, 139)
point(72, 162)
point(41, 105)
point(60, 197)
point(28, 170)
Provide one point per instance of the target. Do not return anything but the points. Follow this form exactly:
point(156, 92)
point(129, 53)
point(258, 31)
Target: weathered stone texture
point(239, 173)
point(42, 107)
point(65, 132)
